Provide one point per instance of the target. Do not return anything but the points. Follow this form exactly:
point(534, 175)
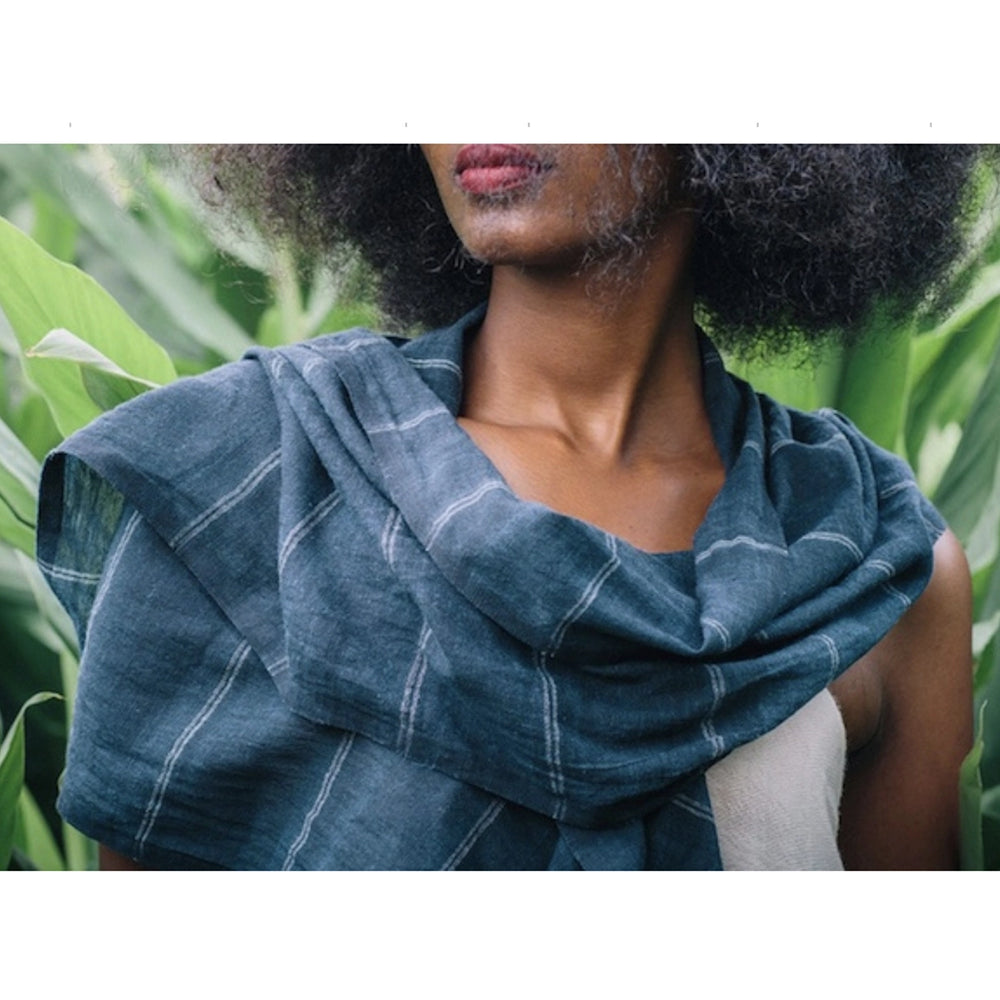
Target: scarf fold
point(394, 586)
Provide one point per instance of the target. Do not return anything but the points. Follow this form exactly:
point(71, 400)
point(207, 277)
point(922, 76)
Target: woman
point(544, 588)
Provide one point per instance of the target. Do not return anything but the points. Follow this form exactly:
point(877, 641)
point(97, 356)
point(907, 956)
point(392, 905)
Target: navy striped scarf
point(383, 629)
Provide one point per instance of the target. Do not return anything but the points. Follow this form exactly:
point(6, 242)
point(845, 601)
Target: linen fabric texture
point(319, 630)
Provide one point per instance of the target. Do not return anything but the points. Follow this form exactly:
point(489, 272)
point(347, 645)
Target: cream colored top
point(777, 799)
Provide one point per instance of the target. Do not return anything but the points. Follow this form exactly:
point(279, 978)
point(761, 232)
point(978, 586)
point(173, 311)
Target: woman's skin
point(583, 387)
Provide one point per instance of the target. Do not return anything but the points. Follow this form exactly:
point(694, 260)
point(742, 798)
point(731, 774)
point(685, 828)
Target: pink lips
point(496, 168)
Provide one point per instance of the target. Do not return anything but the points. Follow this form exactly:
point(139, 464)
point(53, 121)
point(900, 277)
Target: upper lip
point(495, 155)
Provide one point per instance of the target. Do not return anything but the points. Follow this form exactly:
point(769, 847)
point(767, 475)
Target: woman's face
point(549, 206)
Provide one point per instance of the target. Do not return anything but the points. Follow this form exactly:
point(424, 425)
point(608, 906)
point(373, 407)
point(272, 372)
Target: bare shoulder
point(929, 652)
point(910, 699)
point(950, 586)
point(934, 637)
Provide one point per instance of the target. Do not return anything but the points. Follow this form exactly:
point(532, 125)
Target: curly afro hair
point(796, 244)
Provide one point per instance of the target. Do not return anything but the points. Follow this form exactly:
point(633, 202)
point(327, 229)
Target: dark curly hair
point(795, 243)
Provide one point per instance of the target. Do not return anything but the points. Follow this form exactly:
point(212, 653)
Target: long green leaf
point(55, 629)
point(970, 796)
point(12, 776)
point(19, 472)
point(33, 837)
point(873, 386)
point(945, 390)
point(40, 294)
point(106, 383)
point(54, 229)
point(32, 422)
point(148, 261)
point(81, 851)
point(990, 807)
point(969, 493)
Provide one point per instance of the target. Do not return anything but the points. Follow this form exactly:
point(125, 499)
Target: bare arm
point(909, 702)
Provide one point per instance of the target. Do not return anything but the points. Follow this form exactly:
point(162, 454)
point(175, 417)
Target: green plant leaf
point(81, 851)
point(107, 384)
point(873, 384)
point(970, 796)
point(990, 805)
point(148, 261)
point(33, 837)
point(969, 494)
point(23, 586)
point(39, 294)
point(19, 472)
point(54, 229)
point(12, 776)
point(945, 391)
point(33, 424)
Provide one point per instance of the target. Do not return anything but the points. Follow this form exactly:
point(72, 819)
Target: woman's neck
point(610, 365)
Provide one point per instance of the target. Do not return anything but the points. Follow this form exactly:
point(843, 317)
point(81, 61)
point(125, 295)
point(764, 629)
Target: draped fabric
point(320, 630)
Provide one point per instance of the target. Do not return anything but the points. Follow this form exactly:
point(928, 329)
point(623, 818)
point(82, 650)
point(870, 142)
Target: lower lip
point(492, 180)
point(496, 168)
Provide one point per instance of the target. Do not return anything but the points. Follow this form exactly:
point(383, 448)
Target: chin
point(534, 261)
point(513, 250)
